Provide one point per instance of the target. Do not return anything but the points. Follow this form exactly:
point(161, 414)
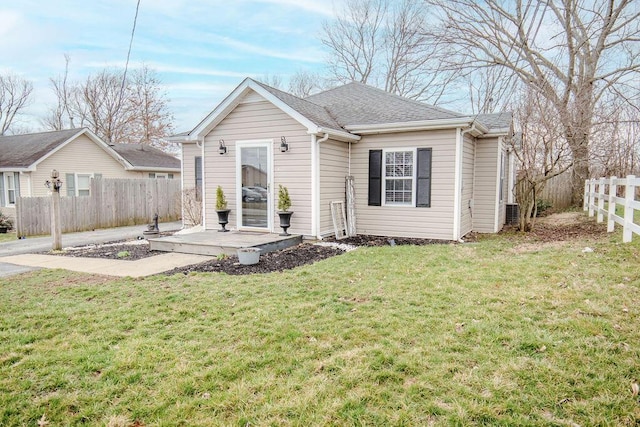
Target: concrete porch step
point(214, 243)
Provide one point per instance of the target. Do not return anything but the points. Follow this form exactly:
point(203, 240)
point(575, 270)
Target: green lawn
point(500, 332)
point(9, 236)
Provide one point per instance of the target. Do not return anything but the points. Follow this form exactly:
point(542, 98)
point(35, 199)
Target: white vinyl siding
point(467, 201)
point(334, 168)
point(260, 120)
point(436, 222)
point(486, 177)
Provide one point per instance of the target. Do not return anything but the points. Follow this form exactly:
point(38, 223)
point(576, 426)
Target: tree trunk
point(580, 170)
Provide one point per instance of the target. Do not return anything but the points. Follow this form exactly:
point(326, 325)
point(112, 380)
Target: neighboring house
point(418, 170)
point(26, 162)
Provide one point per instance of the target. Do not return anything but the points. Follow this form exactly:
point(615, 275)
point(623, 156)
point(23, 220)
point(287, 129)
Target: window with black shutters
point(400, 177)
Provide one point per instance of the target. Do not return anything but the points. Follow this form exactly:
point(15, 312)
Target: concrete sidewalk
point(22, 255)
point(32, 245)
point(109, 267)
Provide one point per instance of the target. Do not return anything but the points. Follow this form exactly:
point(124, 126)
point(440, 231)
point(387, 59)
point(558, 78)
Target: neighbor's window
point(11, 189)
point(398, 177)
point(84, 184)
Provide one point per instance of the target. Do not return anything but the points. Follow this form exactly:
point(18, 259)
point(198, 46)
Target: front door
point(254, 194)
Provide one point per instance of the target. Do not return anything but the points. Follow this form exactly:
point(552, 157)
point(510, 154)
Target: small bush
point(542, 206)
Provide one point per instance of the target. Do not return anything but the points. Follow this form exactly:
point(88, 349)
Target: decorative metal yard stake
point(56, 233)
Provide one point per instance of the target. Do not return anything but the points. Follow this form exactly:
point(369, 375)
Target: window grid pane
point(399, 177)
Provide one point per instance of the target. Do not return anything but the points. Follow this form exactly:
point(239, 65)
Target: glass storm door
point(253, 173)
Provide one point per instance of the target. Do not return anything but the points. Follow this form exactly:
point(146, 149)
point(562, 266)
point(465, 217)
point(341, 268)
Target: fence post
point(629, 196)
point(613, 191)
point(601, 184)
point(592, 194)
point(585, 203)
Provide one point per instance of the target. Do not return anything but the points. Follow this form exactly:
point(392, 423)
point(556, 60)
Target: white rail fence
point(599, 191)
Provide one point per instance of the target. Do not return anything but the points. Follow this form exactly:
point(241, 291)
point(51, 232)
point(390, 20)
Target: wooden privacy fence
point(557, 191)
point(599, 191)
point(112, 203)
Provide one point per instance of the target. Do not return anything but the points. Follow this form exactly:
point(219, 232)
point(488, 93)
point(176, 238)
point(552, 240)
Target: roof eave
point(496, 132)
point(336, 134)
point(18, 169)
point(416, 125)
point(181, 139)
point(153, 169)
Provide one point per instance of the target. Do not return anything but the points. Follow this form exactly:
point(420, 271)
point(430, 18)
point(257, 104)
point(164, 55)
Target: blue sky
point(201, 49)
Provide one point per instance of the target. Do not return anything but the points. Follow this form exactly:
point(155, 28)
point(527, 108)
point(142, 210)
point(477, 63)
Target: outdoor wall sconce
point(222, 149)
point(284, 146)
point(55, 182)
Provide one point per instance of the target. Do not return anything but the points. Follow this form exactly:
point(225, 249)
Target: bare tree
point(15, 95)
point(101, 104)
point(304, 83)
point(273, 80)
point(59, 116)
point(383, 44)
point(615, 150)
point(118, 109)
point(541, 151)
point(572, 51)
point(152, 120)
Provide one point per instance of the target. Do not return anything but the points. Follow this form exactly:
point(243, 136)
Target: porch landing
point(213, 243)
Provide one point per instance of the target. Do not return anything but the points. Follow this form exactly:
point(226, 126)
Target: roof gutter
point(152, 169)
point(338, 135)
point(20, 169)
point(417, 125)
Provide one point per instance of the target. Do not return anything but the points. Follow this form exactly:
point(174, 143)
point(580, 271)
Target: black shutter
point(423, 184)
point(375, 177)
point(198, 177)
point(2, 188)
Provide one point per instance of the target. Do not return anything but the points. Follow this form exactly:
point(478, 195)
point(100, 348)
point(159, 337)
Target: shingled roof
point(348, 109)
point(144, 156)
point(22, 151)
point(359, 104)
point(312, 111)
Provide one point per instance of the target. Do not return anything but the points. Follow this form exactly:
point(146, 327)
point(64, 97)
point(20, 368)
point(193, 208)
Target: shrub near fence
point(112, 203)
point(599, 191)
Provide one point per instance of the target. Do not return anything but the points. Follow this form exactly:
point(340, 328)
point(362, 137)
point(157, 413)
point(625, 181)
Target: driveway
point(32, 245)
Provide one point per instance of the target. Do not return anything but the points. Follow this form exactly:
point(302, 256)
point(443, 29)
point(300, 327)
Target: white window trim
point(268, 143)
point(414, 150)
point(78, 174)
point(7, 189)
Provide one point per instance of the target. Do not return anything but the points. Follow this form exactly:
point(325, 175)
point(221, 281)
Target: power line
point(126, 65)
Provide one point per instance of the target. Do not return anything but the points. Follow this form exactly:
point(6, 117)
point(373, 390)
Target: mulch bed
point(308, 253)
point(583, 228)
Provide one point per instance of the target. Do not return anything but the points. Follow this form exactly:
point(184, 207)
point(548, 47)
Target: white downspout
point(496, 209)
point(511, 177)
point(315, 184)
point(200, 143)
point(457, 201)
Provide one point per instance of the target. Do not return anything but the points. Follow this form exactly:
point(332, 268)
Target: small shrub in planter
point(284, 204)
point(221, 209)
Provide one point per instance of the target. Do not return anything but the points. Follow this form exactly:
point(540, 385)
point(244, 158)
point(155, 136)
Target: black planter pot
point(285, 222)
point(4, 229)
point(223, 219)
